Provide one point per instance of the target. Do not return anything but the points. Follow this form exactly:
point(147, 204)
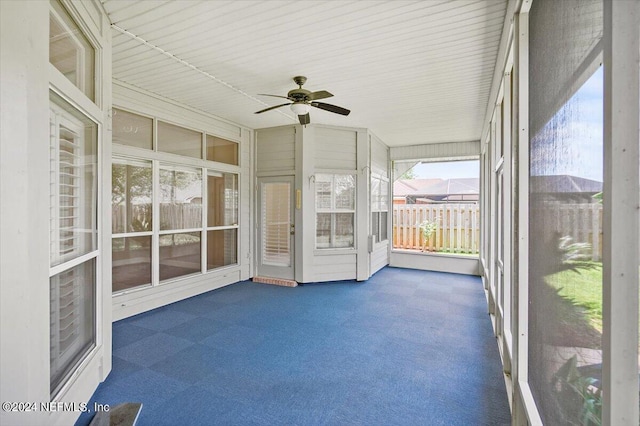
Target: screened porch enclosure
point(134, 140)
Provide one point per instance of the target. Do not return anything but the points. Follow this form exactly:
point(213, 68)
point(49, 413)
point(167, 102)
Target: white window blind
point(276, 221)
point(73, 238)
point(335, 210)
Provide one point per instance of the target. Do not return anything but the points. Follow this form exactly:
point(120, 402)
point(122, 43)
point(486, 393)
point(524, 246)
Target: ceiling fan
point(302, 100)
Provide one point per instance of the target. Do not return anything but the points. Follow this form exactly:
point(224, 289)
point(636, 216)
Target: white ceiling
point(413, 72)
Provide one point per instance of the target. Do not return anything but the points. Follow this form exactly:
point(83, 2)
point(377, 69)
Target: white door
point(276, 227)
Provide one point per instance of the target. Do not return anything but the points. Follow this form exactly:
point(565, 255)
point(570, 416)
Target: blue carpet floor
point(405, 347)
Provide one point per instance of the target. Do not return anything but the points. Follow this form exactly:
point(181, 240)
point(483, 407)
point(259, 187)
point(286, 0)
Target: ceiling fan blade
point(331, 108)
point(304, 119)
point(270, 108)
point(274, 96)
point(321, 94)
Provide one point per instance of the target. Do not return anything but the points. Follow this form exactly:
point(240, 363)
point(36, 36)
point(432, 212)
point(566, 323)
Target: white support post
point(620, 240)
point(524, 407)
point(363, 209)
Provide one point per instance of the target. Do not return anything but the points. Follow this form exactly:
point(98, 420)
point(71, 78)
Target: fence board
point(458, 226)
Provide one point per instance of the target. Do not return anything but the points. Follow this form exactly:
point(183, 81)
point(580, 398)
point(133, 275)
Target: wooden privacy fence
point(581, 222)
point(457, 227)
point(172, 216)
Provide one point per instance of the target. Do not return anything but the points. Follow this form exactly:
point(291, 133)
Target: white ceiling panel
point(412, 71)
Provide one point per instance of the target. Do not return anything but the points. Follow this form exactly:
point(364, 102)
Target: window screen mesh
point(565, 226)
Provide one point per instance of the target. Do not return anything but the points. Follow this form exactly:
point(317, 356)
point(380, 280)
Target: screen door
point(276, 227)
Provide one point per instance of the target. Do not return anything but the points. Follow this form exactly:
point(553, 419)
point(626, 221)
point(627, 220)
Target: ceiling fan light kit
point(302, 100)
point(300, 108)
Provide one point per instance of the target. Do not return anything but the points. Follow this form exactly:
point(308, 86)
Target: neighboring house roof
point(539, 184)
point(563, 184)
point(422, 187)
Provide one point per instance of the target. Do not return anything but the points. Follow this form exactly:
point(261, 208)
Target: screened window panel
point(70, 51)
point(222, 208)
point(180, 199)
point(222, 150)
point(375, 225)
point(178, 140)
point(384, 195)
point(323, 192)
point(384, 226)
point(379, 208)
point(345, 192)
point(222, 248)
point(180, 254)
point(276, 223)
point(570, 31)
point(375, 194)
point(335, 230)
point(72, 320)
point(565, 210)
point(132, 129)
point(343, 230)
point(131, 262)
point(73, 183)
point(131, 196)
point(323, 230)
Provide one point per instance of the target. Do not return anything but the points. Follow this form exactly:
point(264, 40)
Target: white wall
point(276, 151)
point(24, 221)
point(24, 188)
point(381, 167)
point(435, 262)
point(304, 151)
point(442, 151)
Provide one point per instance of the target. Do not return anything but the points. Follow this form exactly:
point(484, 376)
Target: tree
point(409, 174)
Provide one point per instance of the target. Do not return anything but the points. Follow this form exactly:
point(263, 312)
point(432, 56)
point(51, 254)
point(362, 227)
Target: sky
point(571, 143)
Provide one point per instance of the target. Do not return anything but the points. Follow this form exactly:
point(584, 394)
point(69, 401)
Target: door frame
point(273, 271)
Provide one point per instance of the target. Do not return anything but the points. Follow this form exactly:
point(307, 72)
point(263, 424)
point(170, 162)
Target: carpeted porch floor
point(405, 347)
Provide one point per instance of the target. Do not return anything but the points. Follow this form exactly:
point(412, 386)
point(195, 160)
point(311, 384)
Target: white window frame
point(377, 206)
point(333, 210)
point(75, 96)
point(170, 161)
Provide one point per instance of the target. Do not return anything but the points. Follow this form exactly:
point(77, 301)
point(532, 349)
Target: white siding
point(441, 151)
point(380, 257)
point(335, 148)
point(444, 263)
point(140, 301)
point(334, 267)
point(275, 150)
point(136, 99)
point(379, 157)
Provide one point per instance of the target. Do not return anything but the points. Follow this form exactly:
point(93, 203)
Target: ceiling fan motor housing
point(298, 95)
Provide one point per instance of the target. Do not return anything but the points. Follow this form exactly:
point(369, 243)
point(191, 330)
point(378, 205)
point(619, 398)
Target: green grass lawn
point(583, 288)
